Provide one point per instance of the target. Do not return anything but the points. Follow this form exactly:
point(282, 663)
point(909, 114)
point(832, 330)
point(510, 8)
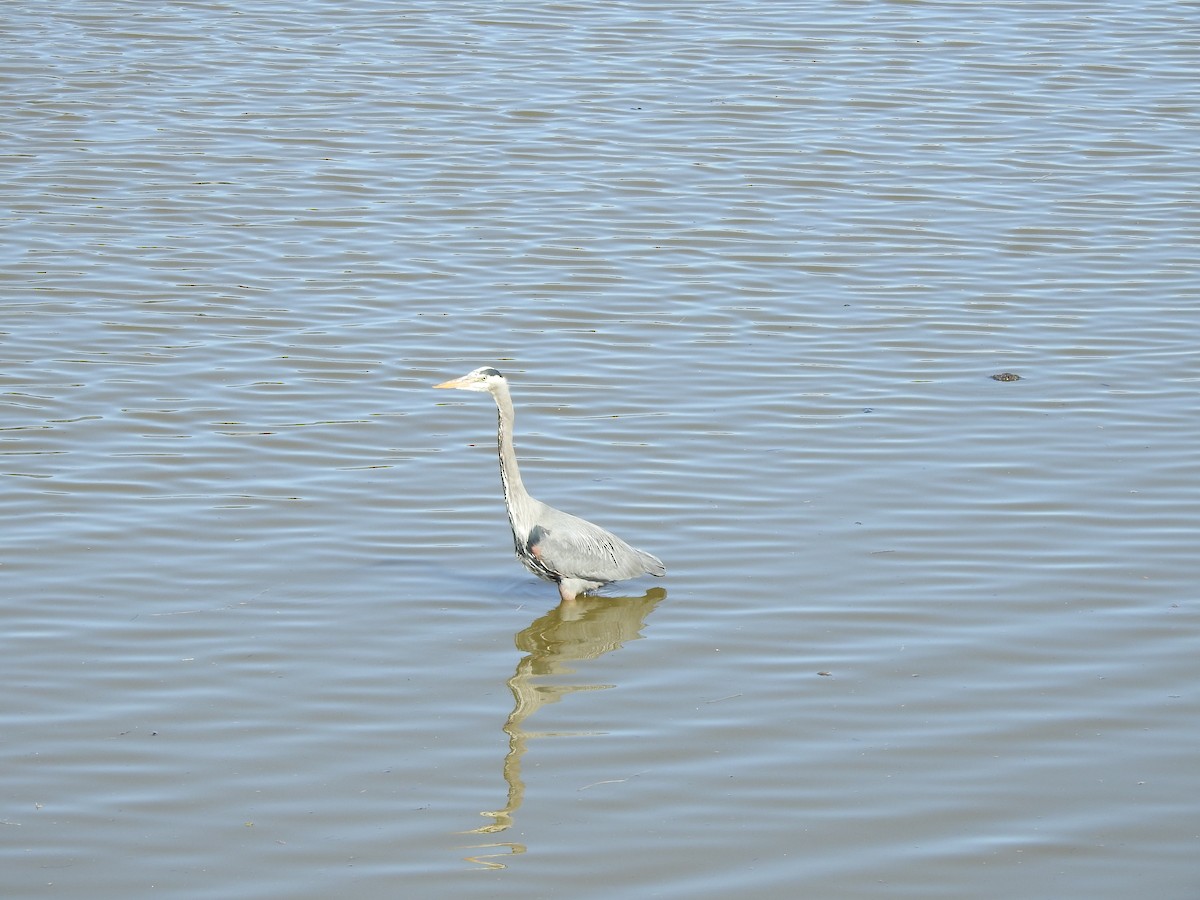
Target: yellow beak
point(452, 383)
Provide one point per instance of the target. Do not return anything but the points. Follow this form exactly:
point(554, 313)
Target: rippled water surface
point(750, 268)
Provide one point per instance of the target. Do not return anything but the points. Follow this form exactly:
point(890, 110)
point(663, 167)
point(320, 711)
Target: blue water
point(750, 270)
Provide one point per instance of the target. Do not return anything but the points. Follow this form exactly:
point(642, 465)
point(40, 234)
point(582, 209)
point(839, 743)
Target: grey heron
point(557, 546)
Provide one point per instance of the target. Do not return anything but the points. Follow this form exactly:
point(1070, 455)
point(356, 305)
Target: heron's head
point(485, 378)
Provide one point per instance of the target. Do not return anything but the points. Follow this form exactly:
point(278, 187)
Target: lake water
point(750, 269)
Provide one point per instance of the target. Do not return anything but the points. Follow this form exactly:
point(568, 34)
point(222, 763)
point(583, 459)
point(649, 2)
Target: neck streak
point(515, 495)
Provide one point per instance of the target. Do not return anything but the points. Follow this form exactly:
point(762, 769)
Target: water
point(749, 269)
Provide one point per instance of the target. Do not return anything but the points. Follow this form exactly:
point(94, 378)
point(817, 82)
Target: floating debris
point(1006, 376)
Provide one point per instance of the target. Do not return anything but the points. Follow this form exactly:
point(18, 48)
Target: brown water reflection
point(586, 628)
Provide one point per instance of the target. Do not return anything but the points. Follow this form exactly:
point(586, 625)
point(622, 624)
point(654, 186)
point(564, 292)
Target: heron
point(575, 554)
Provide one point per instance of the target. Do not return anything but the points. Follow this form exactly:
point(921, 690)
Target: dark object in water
point(1006, 376)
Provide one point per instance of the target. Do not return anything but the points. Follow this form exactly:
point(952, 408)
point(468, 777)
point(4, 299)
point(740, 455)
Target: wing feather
point(571, 547)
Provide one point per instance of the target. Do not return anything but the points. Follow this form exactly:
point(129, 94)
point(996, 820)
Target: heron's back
point(571, 547)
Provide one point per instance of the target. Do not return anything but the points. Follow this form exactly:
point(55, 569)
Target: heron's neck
point(510, 474)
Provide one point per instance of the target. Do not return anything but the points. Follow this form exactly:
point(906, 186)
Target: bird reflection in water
point(586, 628)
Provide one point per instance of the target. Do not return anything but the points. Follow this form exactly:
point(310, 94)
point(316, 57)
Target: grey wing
point(575, 548)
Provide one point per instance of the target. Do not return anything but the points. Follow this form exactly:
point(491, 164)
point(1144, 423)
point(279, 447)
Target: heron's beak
point(452, 383)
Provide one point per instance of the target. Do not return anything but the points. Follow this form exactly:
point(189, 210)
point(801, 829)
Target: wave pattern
point(750, 269)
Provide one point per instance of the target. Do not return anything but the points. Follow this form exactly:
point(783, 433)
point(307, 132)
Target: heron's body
point(572, 552)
